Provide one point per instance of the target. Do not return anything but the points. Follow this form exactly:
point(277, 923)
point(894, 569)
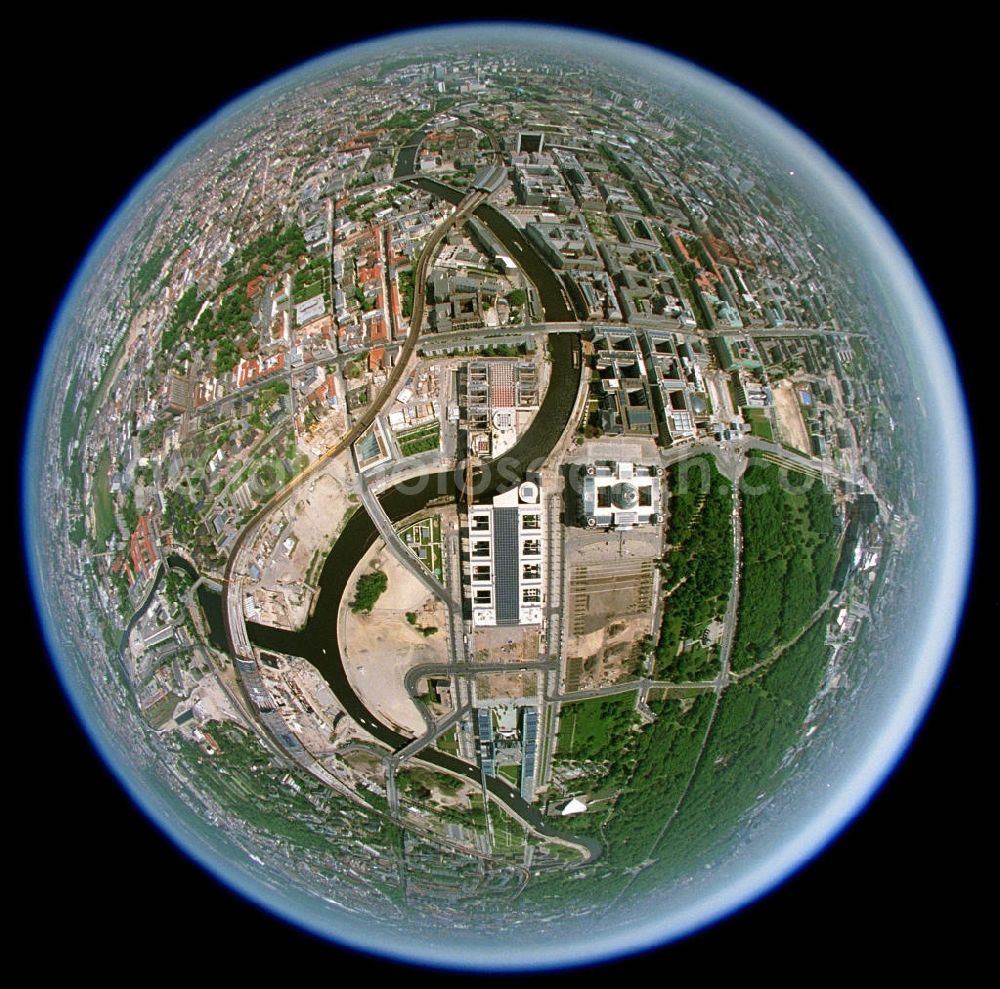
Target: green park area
point(448, 742)
point(419, 440)
point(224, 322)
point(76, 420)
point(420, 783)
point(636, 777)
point(406, 119)
point(104, 509)
point(423, 537)
point(760, 423)
point(511, 773)
point(665, 794)
point(312, 279)
point(508, 833)
point(595, 729)
point(264, 400)
point(789, 557)
point(633, 782)
point(697, 569)
point(162, 710)
point(673, 792)
point(406, 288)
point(758, 720)
point(242, 777)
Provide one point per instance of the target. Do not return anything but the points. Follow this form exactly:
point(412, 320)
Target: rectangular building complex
point(506, 545)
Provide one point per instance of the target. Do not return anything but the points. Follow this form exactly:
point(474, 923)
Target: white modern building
point(621, 495)
point(507, 550)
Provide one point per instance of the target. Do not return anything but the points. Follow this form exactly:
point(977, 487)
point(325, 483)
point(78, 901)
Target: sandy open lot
point(609, 601)
point(381, 647)
point(506, 644)
point(606, 652)
point(722, 402)
point(489, 685)
point(325, 433)
point(312, 520)
point(635, 449)
point(791, 426)
point(211, 703)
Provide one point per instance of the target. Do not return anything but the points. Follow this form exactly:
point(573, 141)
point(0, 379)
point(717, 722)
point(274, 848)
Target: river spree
point(317, 642)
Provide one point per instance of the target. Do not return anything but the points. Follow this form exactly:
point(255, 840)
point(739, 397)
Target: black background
point(108, 104)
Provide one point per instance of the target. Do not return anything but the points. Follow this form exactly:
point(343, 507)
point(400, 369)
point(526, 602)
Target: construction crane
point(468, 480)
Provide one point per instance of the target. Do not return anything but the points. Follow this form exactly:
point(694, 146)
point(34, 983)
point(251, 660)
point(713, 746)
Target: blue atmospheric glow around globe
point(501, 521)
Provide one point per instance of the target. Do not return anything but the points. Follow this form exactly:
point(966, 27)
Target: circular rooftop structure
point(624, 495)
point(528, 492)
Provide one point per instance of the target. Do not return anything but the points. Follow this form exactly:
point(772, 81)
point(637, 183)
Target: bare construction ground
point(509, 644)
point(612, 581)
point(295, 544)
point(791, 426)
point(610, 574)
point(616, 589)
point(314, 691)
point(498, 685)
point(365, 766)
point(381, 647)
point(305, 701)
point(441, 788)
point(364, 760)
point(211, 703)
point(635, 449)
point(325, 432)
point(606, 655)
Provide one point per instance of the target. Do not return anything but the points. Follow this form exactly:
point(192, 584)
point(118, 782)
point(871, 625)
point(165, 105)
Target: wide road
point(729, 457)
point(416, 673)
point(399, 549)
point(768, 332)
point(732, 606)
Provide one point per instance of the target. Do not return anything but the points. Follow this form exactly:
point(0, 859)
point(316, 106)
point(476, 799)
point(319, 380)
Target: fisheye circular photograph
point(496, 497)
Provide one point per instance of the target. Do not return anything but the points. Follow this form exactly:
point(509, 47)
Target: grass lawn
point(760, 424)
point(511, 773)
point(447, 742)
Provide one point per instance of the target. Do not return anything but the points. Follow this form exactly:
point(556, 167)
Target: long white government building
point(507, 548)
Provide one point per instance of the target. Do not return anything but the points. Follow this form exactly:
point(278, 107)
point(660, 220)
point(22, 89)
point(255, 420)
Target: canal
point(140, 611)
point(406, 160)
point(555, 304)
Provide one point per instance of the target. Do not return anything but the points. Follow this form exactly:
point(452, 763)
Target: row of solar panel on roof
point(505, 552)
